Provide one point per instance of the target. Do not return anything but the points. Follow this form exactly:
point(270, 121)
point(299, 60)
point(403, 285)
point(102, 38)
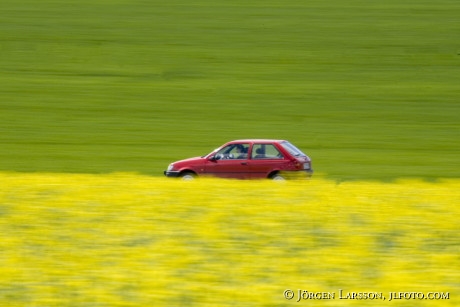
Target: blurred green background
point(369, 89)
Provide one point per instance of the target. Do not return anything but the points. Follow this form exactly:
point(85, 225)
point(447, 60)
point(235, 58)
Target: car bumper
point(171, 173)
point(301, 174)
point(307, 173)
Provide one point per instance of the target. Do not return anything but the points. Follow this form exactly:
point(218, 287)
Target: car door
point(229, 162)
point(265, 157)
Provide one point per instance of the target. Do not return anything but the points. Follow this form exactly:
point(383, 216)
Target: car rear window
point(292, 149)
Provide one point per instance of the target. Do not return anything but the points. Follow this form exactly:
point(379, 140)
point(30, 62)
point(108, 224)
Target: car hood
point(189, 161)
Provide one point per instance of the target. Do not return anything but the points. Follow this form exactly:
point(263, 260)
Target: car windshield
point(292, 149)
point(212, 152)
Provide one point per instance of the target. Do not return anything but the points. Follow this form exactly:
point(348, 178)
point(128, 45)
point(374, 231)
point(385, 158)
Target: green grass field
point(370, 90)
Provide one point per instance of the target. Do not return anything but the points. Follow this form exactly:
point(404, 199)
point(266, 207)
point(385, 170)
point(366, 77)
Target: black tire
point(187, 176)
point(277, 177)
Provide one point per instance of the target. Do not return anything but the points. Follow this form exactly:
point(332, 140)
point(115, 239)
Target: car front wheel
point(188, 176)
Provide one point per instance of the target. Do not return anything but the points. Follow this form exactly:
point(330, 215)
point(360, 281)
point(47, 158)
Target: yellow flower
point(132, 240)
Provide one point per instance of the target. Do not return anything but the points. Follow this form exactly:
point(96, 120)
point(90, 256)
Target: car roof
point(257, 141)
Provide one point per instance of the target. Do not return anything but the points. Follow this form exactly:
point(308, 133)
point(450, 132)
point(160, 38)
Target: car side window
point(233, 151)
point(265, 151)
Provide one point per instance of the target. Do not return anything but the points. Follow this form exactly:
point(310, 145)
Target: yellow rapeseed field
point(134, 240)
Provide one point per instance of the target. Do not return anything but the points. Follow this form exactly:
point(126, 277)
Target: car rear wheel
point(277, 177)
point(188, 176)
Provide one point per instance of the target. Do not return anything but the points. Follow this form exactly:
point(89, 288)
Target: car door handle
point(244, 163)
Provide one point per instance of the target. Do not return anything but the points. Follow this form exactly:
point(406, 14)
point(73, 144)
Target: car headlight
point(170, 167)
point(306, 165)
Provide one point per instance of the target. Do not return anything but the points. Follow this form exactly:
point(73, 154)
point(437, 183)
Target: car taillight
point(297, 165)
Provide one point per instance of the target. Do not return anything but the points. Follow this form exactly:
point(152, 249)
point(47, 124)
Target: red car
point(246, 159)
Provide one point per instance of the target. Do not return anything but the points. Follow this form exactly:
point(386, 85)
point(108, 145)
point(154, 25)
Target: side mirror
point(215, 157)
